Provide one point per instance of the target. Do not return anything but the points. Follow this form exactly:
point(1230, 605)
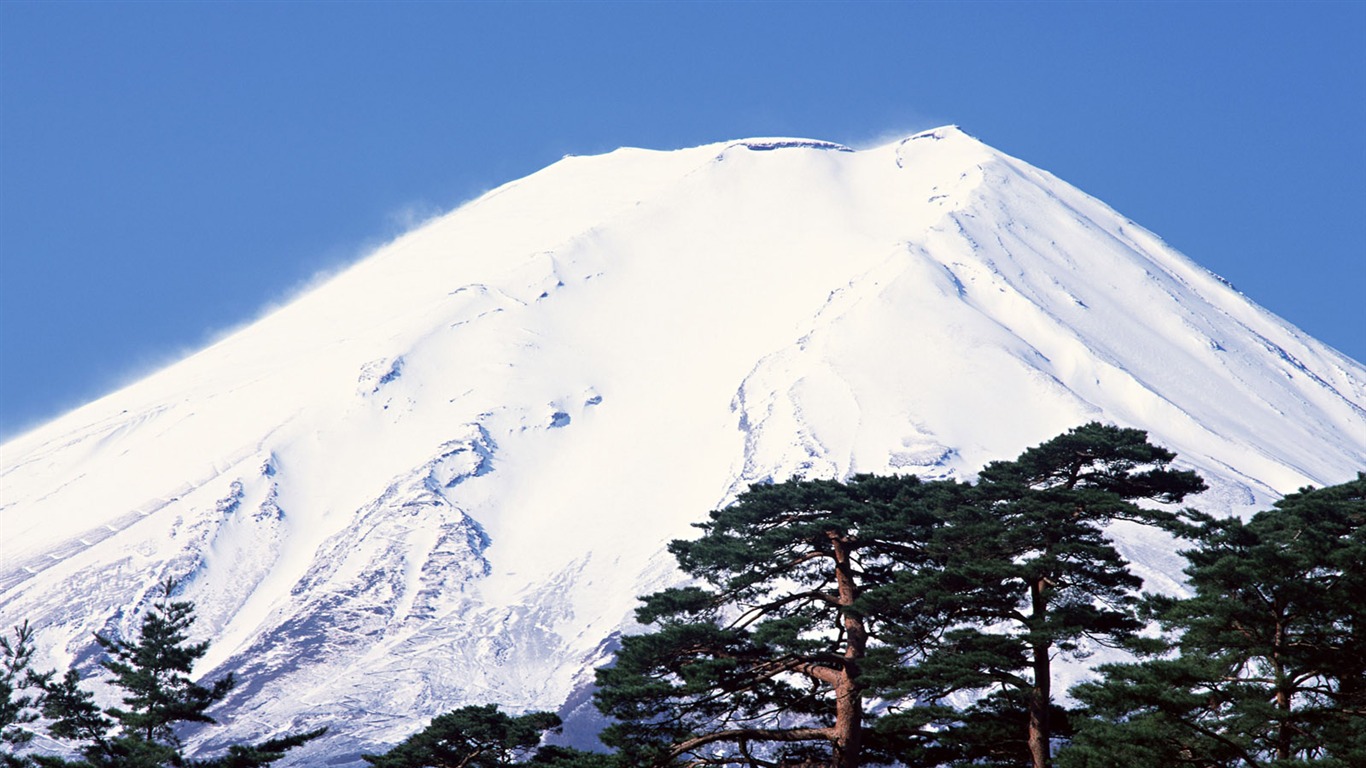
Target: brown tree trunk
point(848, 737)
point(1040, 694)
point(1283, 732)
point(848, 740)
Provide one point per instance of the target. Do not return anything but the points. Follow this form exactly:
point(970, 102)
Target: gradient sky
point(171, 170)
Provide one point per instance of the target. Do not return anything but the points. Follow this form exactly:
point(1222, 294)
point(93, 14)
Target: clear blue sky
point(168, 170)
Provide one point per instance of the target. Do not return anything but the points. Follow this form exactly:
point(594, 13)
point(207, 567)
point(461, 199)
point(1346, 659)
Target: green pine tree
point(153, 671)
point(1032, 575)
point(482, 737)
point(767, 659)
point(1265, 665)
point(20, 695)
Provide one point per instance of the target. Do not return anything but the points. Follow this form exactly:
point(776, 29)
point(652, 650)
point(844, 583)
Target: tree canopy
point(1264, 665)
point(764, 657)
point(1034, 575)
point(480, 736)
point(813, 598)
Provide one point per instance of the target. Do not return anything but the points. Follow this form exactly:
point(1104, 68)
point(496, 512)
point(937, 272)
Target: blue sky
point(169, 170)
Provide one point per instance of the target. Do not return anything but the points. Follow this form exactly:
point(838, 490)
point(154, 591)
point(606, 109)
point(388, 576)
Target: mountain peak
point(939, 134)
point(444, 476)
point(766, 144)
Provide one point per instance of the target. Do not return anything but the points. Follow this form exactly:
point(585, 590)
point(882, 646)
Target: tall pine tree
point(1265, 665)
point(1034, 575)
point(765, 660)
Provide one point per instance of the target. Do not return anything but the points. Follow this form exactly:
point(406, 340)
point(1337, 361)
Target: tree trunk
point(1283, 730)
point(1040, 694)
point(848, 725)
point(848, 740)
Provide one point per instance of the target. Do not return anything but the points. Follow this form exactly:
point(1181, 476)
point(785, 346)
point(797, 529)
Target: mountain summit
point(444, 476)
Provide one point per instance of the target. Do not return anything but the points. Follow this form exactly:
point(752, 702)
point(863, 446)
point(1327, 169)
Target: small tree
point(153, 671)
point(20, 694)
point(1265, 665)
point(482, 737)
point(766, 661)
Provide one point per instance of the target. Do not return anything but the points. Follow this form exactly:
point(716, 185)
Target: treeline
point(895, 621)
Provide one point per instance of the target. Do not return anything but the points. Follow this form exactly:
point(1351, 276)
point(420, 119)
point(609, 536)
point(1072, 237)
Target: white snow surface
point(444, 476)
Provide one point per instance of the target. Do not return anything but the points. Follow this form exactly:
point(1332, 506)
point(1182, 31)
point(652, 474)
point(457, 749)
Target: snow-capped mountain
point(444, 476)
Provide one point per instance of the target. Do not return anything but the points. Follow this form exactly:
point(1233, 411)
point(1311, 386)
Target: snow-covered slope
point(444, 476)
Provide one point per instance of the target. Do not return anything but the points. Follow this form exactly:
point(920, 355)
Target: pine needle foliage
point(1265, 665)
point(20, 695)
point(153, 670)
point(1033, 576)
point(762, 661)
point(814, 600)
point(480, 736)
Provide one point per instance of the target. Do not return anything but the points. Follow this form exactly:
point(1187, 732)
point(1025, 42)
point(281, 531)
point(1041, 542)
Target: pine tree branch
point(781, 735)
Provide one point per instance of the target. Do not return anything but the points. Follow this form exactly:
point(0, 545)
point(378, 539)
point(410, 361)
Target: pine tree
point(1034, 576)
point(153, 672)
point(767, 659)
point(482, 737)
point(1265, 665)
point(20, 694)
